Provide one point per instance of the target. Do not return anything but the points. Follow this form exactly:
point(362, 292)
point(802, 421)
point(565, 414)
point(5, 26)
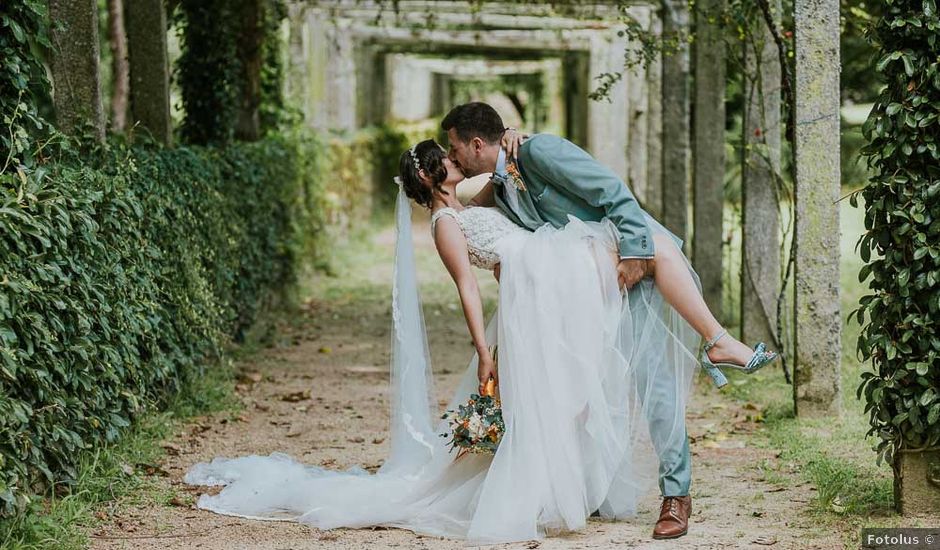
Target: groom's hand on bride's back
point(630, 271)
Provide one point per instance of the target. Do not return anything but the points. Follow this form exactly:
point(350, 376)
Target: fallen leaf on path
point(152, 470)
point(177, 501)
point(356, 439)
point(262, 407)
point(765, 540)
point(172, 449)
point(250, 377)
point(325, 350)
point(296, 396)
point(378, 440)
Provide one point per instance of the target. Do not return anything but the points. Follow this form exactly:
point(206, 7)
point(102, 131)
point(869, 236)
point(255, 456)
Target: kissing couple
point(598, 325)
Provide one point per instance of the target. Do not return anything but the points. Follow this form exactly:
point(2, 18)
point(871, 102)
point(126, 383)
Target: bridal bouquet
point(477, 427)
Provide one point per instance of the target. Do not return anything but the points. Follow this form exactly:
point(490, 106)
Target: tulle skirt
point(585, 372)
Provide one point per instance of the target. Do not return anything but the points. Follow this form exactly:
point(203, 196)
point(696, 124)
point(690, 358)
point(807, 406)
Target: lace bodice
point(483, 227)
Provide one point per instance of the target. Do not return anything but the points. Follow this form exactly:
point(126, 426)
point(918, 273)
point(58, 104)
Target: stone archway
point(340, 71)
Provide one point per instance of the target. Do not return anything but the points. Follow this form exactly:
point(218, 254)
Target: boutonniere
point(513, 170)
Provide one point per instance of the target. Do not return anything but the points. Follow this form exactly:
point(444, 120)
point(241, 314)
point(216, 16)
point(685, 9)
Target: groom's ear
point(477, 144)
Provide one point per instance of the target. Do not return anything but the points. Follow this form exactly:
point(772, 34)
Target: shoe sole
point(662, 537)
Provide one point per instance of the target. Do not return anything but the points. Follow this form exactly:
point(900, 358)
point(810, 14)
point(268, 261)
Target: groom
point(550, 179)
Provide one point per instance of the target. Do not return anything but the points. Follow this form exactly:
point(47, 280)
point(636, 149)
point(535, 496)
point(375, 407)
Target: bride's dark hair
point(431, 159)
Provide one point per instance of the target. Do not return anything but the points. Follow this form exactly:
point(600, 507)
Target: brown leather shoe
point(673, 517)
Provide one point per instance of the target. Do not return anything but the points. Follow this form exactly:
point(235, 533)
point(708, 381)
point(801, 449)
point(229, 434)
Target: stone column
point(676, 130)
point(760, 243)
point(638, 115)
point(654, 133)
point(331, 65)
point(145, 21)
point(607, 118)
point(76, 78)
point(708, 151)
point(818, 323)
point(411, 94)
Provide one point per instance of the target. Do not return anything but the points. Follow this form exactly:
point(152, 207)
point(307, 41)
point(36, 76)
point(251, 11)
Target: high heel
point(758, 359)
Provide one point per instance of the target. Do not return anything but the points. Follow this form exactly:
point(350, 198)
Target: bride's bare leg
point(675, 283)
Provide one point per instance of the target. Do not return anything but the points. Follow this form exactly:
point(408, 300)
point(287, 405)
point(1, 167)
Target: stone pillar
point(638, 114)
point(295, 73)
point(607, 118)
point(410, 89)
point(818, 324)
point(577, 74)
point(760, 242)
point(676, 104)
point(331, 72)
point(76, 78)
point(654, 133)
point(708, 151)
point(145, 21)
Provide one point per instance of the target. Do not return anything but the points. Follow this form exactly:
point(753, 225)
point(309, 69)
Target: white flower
point(476, 426)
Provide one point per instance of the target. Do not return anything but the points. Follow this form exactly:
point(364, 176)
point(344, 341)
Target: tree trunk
point(818, 325)
point(74, 64)
point(760, 244)
point(248, 123)
point(119, 67)
point(709, 151)
point(149, 68)
point(676, 131)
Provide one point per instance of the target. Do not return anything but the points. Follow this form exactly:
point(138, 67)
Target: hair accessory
point(398, 181)
point(414, 157)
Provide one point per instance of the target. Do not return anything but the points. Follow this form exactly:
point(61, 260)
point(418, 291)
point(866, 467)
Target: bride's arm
point(452, 247)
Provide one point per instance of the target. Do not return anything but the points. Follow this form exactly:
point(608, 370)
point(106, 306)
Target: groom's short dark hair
point(476, 119)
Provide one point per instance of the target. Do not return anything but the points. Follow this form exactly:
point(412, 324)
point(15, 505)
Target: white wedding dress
point(576, 436)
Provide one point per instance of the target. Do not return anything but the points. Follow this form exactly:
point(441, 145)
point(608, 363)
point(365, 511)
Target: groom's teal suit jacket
point(561, 178)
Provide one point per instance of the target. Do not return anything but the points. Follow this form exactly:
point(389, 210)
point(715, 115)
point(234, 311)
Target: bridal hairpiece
point(414, 157)
point(398, 181)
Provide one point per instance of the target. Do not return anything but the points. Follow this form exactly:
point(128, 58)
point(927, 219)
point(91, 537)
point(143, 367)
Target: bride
point(575, 405)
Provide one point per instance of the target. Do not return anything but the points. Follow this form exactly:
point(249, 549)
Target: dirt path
point(319, 394)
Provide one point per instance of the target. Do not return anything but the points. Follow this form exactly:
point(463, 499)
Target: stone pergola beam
point(492, 40)
point(145, 21)
point(576, 12)
point(74, 64)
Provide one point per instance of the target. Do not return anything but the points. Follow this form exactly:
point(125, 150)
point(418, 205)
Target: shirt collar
point(501, 163)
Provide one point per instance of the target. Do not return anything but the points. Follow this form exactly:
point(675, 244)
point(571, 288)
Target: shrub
point(117, 283)
point(901, 244)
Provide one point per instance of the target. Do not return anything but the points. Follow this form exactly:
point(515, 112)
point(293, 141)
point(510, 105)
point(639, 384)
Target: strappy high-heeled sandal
point(760, 358)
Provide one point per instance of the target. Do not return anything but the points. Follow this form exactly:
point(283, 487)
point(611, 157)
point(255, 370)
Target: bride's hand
point(486, 369)
point(511, 141)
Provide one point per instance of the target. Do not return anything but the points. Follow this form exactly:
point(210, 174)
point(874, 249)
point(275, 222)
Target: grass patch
point(832, 454)
point(116, 474)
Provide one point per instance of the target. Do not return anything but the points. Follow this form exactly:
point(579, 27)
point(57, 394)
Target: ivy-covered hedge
point(901, 245)
point(116, 285)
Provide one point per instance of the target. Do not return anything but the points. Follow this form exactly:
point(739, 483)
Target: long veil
point(411, 390)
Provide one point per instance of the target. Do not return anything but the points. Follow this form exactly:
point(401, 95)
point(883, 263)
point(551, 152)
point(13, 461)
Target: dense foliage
point(211, 72)
point(901, 245)
point(116, 284)
point(23, 83)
